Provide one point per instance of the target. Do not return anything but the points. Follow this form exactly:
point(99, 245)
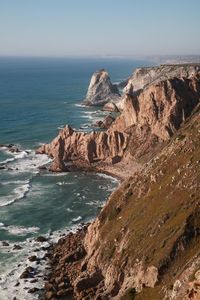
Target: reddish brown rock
point(89, 147)
point(156, 113)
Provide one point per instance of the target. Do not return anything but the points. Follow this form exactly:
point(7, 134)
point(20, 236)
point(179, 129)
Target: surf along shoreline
point(31, 275)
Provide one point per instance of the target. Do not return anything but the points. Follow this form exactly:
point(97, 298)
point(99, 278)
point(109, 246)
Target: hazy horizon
point(142, 28)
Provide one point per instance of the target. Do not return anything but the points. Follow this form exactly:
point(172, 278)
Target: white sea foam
point(7, 160)
point(30, 163)
point(90, 112)
point(55, 174)
point(113, 179)
point(18, 194)
point(19, 230)
point(94, 203)
point(64, 183)
point(15, 155)
point(84, 126)
point(10, 273)
point(69, 210)
point(10, 282)
point(87, 117)
point(80, 105)
point(74, 220)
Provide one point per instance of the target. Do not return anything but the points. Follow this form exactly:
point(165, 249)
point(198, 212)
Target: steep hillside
point(145, 242)
point(155, 221)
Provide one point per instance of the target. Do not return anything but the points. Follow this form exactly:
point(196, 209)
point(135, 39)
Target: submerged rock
point(17, 247)
point(41, 239)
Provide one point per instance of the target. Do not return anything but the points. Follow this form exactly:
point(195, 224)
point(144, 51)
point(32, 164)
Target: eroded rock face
point(148, 225)
point(153, 115)
point(162, 107)
point(88, 147)
point(101, 90)
point(143, 77)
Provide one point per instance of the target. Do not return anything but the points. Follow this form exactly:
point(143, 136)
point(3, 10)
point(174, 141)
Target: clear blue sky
point(99, 27)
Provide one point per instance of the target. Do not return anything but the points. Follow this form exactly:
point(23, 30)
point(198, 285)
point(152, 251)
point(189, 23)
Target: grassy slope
point(158, 212)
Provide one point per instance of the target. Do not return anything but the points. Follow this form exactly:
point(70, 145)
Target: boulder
point(41, 239)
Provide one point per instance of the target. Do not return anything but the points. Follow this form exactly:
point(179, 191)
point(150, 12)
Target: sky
point(99, 27)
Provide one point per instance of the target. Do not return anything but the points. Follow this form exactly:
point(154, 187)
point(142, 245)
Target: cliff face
point(87, 148)
point(152, 116)
point(101, 90)
point(145, 242)
point(162, 106)
point(142, 77)
point(155, 224)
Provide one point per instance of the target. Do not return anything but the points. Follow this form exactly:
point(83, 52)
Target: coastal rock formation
point(101, 90)
point(106, 123)
point(151, 117)
point(145, 242)
point(75, 146)
point(111, 106)
point(154, 218)
point(142, 77)
point(147, 236)
point(162, 107)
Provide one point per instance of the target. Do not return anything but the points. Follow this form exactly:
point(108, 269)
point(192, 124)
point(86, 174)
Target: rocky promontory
point(145, 242)
point(147, 120)
point(101, 90)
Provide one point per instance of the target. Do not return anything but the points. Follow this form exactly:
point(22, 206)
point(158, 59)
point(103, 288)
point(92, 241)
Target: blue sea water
point(37, 97)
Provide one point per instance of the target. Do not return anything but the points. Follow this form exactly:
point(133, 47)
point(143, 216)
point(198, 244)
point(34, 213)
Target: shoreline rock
point(101, 90)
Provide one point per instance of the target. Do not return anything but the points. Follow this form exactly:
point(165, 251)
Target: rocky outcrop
point(151, 117)
point(106, 123)
point(111, 106)
point(162, 107)
point(101, 90)
point(143, 77)
point(149, 230)
point(145, 242)
point(88, 148)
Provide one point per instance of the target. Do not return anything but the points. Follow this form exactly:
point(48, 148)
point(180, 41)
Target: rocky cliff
point(145, 242)
point(161, 106)
point(101, 90)
point(142, 77)
point(151, 117)
point(84, 148)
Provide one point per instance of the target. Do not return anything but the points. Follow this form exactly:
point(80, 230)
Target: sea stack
point(101, 90)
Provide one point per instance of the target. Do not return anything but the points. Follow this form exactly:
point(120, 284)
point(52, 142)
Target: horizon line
point(139, 56)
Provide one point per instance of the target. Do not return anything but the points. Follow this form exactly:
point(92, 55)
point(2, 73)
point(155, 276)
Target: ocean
point(38, 96)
